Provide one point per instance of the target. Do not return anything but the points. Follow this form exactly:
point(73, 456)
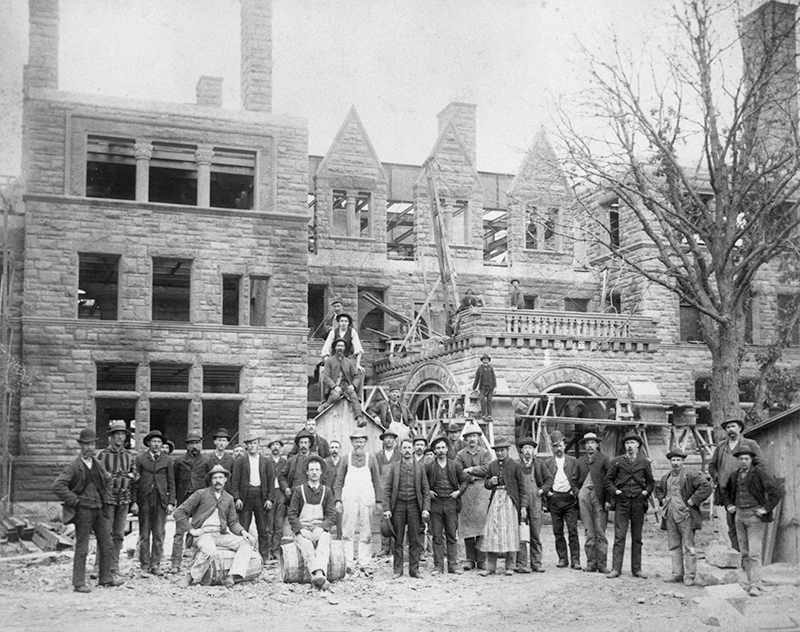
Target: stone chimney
point(42, 68)
point(209, 91)
point(256, 18)
point(770, 64)
point(463, 116)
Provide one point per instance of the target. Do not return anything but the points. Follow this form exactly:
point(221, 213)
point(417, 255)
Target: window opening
point(171, 289)
point(230, 299)
point(173, 174)
point(110, 168)
point(232, 178)
point(259, 301)
point(116, 376)
point(98, 286)
point(169, 378)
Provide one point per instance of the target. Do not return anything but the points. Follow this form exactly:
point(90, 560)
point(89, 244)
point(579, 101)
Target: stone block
point(708, 575)
point(721, 556)
point(734, 594)
point(771, 622)
point(718, 613)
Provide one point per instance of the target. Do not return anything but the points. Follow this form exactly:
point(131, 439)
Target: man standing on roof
point(485, 383)
point(516, 298)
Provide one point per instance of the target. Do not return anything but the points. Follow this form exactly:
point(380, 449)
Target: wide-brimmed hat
point(387, 528)
point(556, 437)
point(471, 428)
point(739, 422)
point(632, 436)
point(221, 432)
point(170, 445)
point(419, 438)
point(193, 436)
point(452, 426)
point(526, 441)
point(512, 280)
point(590, 436)
point(501, 444)
point(676, 452)
point(250, 436)
point(118, 426)
point(304, 434)
point(153, 434)
point(439, 439)
point(217, 469)
point(339, 317)
point(274, 441)
point(744, 450)
point(486, 356)
point(87, 435)
point(388, 433)
point(359, 433)
point(316, 457)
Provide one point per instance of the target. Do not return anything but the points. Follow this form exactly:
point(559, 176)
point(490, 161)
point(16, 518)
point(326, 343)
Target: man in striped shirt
point(120, 464)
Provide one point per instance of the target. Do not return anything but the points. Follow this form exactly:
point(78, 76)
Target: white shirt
point(561, 482)
point(87, 462)
point(255, 476)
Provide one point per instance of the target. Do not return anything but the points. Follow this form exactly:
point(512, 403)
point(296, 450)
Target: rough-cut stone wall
point(256, 64)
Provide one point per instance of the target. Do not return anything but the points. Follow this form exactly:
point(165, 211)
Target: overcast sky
point(398, 61)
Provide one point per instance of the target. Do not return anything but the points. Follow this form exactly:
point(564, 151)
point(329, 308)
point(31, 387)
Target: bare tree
point(704, 166)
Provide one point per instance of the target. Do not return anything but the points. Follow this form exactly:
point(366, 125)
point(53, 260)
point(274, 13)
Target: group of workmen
point(452, 487)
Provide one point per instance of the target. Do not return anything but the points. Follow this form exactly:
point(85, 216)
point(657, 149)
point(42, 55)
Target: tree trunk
point(726, 346)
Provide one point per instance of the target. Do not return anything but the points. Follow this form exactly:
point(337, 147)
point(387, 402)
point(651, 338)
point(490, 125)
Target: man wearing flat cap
point(750, 495)
point(388, 454)
point(332, 317)
point(253, 486)
point(562, 501)
point(475, 500)
point(120, 463)
point(592, 470)
point(209, 516)
point(629, 483)
point(485, 383)
point(311, 517)
point(84, 488)
point(447, 483)
point(681, 492)
point(537, 479)
point(724, 464)
point(153, 495)
point(190, 475)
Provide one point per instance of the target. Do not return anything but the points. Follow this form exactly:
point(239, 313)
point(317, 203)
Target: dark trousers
point(475, 556)
point(118, 519)
point(178, 540)
point(254, 505)
point(444, 524)
point(86, 521)
point(406, 516)
point(734, 537)
point(275, 518)
point(152, 524)
point(485, 397)
point(628, 511)
point(564, 509)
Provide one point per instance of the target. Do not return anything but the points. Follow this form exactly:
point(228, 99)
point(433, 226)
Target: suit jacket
point(715, 464)
point(388, 413)
point(383, 463)
point(331, 471)
point(455, 474)
point(73, 480)
point(293, 473)
point(192, 513)
point(695, 487)
point(391, 485)
point(636, 475)
point(156, 480)
point(597, 469)
point(320, 446)
point(761, 484)
point(570, 469)
point(241, 477)
point(190, 474)
point(512, 477)
point(227, 461)
point(339, 373)
point(484, 378)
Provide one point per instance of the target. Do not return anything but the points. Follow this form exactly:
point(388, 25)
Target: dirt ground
point(36, 598)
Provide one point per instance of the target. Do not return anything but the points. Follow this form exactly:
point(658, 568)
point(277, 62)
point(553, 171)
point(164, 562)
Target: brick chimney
point(209, 91)
point(256, 18)
point(463, 116)
point(769, 48)
point(42, 68)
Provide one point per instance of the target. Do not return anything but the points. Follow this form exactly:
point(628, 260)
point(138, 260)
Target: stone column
point(204, 156)
point(143, 152)
point(446, 209)
point(353, 224)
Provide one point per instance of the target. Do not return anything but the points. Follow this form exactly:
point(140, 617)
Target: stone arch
point(432, 377)
point(564, 376)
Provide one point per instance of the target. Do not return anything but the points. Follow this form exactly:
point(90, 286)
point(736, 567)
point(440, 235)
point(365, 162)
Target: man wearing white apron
point(311, 516)
point(358, 485)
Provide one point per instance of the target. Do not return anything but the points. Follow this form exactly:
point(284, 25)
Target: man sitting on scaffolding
point(341, 378)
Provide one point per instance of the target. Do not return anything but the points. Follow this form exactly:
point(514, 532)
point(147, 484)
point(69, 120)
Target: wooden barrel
point(293, 568)
point(221, 564)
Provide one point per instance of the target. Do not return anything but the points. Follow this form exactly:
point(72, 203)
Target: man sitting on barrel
point(208, 515)
point(311, 516)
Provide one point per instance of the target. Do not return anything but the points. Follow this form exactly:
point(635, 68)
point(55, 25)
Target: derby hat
point(590, 436)
point(153, 434)
point(217, 469)
point(738, 422)
point(471, 428)
point(118, 425)
point(486, 356)
point(512, 280)
point(677, 452)
point(316, 458)
point(556, 437)
point(221, 432)
point(632, 436)
point(387, 528)
point(346, 315)
point(388, 433)
point(170, 445)
point(526, 441)
point(440, 439)
point(274, 441)
point(419, 438)
point(193, 436)
point(87, 436)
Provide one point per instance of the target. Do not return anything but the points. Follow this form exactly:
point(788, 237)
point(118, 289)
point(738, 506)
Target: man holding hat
point(384, 457)
point(358, 487)
point(406, 502)
point(153, 495)
point(750, 495)
point(724, 464)
point(475, 500)
point(562, 501)
point(592, 470)
point(253, 487)
point(629, 483)
point(681, 492)
point(84, 488)
point(208, 515)
point(121, 465)
point(190, 475)
point(447, 483)
point(311, 516)
point(485, 383)
point(220, 456)
point(277, 515)
point(537, 480)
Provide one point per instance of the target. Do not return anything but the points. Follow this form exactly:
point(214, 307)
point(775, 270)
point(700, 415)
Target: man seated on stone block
point(209, 516)
point(312, 513)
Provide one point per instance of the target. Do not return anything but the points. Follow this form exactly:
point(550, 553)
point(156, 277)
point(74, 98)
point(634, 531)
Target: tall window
point(316, 311)
point(117, 377)
point(786, 306)
point(219, 411)
point(400, 230)
point(232, 178)
point(259, 301)
point(690, 326)
point(363, 213)
point(230, 299)
point(613, 225)
point(531, 227)
point(110, 168)
point(98, 286)
point(173, 174)
point(541, 228)
point(172, 289)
